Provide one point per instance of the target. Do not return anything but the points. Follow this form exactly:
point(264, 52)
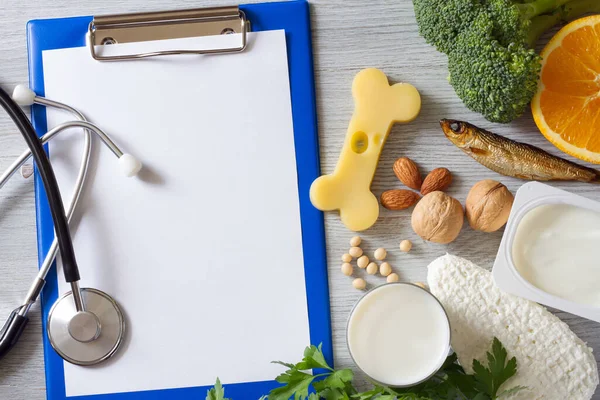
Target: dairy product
point(377, 106)
point(398, 334)
point(552, 362)
point(556, 249)
point(506, 274)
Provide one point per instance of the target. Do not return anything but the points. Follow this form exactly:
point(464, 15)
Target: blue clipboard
point(294, 18)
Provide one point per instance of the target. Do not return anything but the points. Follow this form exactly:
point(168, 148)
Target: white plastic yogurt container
point(398, 334)
point(550, 250)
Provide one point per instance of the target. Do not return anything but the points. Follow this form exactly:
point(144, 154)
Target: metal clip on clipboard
point(141, 27)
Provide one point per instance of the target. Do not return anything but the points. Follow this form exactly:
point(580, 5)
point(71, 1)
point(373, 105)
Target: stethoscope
point(85, 326)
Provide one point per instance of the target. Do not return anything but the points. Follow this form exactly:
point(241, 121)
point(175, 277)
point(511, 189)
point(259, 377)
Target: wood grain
point(348, 35)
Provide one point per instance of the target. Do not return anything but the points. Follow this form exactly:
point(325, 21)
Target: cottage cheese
point(552, 362)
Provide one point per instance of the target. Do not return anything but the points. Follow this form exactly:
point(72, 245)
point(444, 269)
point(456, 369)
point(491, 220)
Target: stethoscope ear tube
point(12, 330)
point(46, 172)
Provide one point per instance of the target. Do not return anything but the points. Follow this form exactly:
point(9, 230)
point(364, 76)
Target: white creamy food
point(398, 334)
point(552, 362)
point(556, 248)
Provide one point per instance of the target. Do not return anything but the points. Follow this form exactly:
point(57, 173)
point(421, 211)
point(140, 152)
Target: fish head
point(458, 132)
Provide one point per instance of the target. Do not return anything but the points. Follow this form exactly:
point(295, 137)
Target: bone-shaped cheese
point(377, 107)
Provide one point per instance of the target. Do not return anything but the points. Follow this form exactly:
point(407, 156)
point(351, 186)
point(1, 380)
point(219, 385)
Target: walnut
point(438, 218)
point(488, 205)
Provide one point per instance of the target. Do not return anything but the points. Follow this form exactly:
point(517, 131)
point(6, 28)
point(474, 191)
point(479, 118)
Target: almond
point(407, 171)
point(399, 199)
point(438, 180)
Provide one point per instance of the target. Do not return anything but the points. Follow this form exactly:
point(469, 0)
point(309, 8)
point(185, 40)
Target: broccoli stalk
point(577, 8)
point(518, 22)
point(539, 7)
point(570, 11)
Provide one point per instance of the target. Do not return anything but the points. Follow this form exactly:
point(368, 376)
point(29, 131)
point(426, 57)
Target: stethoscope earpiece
point(130, 166)
point(23, 96)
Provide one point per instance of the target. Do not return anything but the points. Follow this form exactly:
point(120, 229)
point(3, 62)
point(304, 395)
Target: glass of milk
point(398, 334)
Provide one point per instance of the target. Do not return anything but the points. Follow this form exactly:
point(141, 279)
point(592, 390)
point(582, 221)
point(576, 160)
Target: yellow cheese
point(377, 107)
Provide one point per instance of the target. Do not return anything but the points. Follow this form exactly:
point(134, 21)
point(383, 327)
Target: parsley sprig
point(451, 382)
point(217, 392)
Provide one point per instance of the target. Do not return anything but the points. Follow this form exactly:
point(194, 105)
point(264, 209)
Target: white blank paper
point(203, 251)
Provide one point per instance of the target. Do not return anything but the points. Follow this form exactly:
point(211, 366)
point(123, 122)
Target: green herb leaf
point(290, 366)
point(337, 380)
point(296, 385)
point(333, 394)
point(368, 395)
point(484, 378)
point(451, 364)
point(513, 390)
point(490, 379)
point(217, 392)
point(409, 396)
point(313, 358)
point(463, 382)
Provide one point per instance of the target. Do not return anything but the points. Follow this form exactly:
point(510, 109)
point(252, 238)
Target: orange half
point(566, 107)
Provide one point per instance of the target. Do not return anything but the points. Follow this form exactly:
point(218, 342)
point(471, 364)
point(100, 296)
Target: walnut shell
point(488, 205)
point(438, 218)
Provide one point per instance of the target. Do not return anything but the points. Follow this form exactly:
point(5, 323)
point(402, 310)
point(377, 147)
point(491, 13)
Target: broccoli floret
point(495, 80)
point(492, 68)
point(509, 24)
point(440, 21)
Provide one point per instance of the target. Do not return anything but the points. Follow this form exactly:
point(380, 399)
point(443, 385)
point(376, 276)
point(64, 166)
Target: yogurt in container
point(398, 334)
point(550, 251)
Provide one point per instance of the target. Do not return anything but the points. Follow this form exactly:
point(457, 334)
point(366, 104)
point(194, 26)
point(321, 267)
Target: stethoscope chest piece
point(86, 337)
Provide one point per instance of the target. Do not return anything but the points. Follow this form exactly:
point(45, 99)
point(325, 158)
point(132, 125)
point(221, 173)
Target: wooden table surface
point(348, 35)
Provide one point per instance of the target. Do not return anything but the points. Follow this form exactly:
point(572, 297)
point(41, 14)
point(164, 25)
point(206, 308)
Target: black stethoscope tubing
point(16, 323)
point(59, 217)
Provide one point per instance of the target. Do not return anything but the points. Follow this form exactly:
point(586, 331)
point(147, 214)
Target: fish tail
point(591, 175)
